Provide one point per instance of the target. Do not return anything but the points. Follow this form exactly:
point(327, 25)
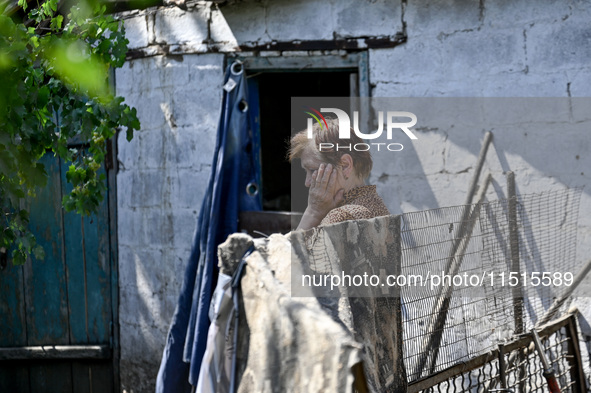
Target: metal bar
point(514, 247)
point(480, 360)
point(540, 348)
point(558, 303)
point(395, 252)
point(441, 309)
point(502, 374)
point(56, 352)
point(479, 163)
point(569, 290)
point(576, 370)
point(548, 371)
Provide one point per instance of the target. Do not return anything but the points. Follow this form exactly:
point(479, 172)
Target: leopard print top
point(360, 203)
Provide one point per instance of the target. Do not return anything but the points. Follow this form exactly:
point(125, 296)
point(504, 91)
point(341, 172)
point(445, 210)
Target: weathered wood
point(76, 276)
point(56, 302)
point(300, 63)
point(56, 352)
point(81, 377)
point(87, 249)
point(45, 280)
point(354, 43)
point(14, 377)
point(51, 377)
point(87, 241)
point(12, 306)
point(44, 293)
point(113, 263)
point(102, 378)
point(99, 275)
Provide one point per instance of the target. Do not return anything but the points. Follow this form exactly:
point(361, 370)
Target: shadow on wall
point(543, 140)
point(400, 176)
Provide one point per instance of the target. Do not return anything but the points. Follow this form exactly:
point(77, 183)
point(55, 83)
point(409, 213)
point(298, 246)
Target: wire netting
point(504, 280)
point(523, 370)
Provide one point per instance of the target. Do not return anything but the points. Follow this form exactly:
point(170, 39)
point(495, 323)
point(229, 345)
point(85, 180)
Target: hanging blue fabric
point(233, 187)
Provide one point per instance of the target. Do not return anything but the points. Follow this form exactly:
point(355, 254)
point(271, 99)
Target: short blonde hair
point(362, 162)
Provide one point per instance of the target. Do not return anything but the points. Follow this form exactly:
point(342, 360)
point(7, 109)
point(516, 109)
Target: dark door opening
point(275, 90)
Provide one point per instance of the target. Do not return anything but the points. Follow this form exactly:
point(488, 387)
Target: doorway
point(275, 90)
point(272, 82)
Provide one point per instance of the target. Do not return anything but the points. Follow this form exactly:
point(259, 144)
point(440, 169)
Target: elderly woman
point(335, 178)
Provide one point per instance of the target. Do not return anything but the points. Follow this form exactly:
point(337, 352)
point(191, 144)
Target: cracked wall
point(162, 175)
point(455, 48)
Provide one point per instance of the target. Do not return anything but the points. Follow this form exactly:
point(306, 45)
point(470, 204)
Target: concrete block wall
point(162, 175)
point(455, 48)
point(261, 22)
point(491, 49)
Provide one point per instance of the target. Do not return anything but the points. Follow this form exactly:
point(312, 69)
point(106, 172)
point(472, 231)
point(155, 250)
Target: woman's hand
point(323, 196)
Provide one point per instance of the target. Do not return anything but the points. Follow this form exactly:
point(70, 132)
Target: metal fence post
point(514, 247)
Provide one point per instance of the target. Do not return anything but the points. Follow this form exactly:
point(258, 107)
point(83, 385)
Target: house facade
point(370, 48)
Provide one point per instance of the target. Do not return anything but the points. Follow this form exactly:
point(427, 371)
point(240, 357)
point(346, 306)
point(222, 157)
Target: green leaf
point(43, 97)
point(56, 23)
point(39, 252)
point(54, 88)
point(35, 175)
point(7, 164)
point(18, 257)
point(73, 62)
point(23, 4)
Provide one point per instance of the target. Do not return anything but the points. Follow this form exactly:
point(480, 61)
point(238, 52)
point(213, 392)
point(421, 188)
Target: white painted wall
point(160, 184)
point(458, 48)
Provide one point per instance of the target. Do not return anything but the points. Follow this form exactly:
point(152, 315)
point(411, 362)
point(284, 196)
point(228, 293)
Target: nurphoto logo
point(392, 122)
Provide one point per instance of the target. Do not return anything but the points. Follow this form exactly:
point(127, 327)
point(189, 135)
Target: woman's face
point(310, 163)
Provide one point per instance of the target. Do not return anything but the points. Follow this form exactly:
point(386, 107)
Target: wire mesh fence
point(473, 277)
point(515, 366)
point(488, 271)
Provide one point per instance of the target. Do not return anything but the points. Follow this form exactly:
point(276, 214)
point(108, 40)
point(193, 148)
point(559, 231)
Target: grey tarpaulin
point(285, 344)
point(373, 314)
point(232, 187)
point(218, 368)
point(307, 344)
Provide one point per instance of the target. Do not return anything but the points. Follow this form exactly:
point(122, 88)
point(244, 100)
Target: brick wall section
point(455, 48)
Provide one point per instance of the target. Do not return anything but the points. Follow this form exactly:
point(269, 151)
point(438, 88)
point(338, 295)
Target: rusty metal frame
point(523, 342)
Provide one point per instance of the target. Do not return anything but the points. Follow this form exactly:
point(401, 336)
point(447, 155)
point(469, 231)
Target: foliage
point(54, 76)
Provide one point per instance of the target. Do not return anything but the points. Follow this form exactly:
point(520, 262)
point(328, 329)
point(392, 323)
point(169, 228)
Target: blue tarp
point(235, 174)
